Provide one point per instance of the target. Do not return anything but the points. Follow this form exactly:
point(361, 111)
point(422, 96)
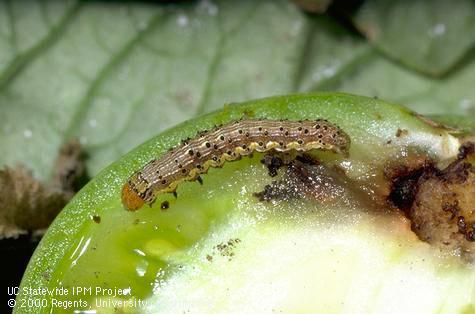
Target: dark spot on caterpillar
point(286, 133)
point(300, 142)
point(199, 179)
point(190, 152)
point(208, 144)
point(215, 146)
point(198, 154)
point(305, 131)
point(222, 138)
point(240, 131)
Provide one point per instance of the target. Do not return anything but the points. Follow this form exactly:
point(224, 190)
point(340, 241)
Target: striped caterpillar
point(228, 142)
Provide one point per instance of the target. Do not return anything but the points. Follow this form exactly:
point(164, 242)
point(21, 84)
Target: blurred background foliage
point(113, 74)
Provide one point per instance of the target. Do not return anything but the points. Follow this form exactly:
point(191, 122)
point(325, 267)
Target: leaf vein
point(85, 103)
point(23, 59)
point(217, 58)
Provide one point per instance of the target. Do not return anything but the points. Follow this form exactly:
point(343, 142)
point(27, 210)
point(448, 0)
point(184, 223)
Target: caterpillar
point(228, 142)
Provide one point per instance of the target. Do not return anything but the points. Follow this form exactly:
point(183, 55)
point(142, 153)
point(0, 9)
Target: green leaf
point(375, 76)
point(114, 74)
point(429, 36)
point(331, 52)
point(184, 253)
point(118, 73)
point(18, 43)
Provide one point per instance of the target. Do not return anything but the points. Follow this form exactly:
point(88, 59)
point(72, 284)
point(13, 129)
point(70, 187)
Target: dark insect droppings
point(96, 219)
point(164, 205)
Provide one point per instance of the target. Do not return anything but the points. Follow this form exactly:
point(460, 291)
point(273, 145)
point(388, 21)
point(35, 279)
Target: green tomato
point(218, 248)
